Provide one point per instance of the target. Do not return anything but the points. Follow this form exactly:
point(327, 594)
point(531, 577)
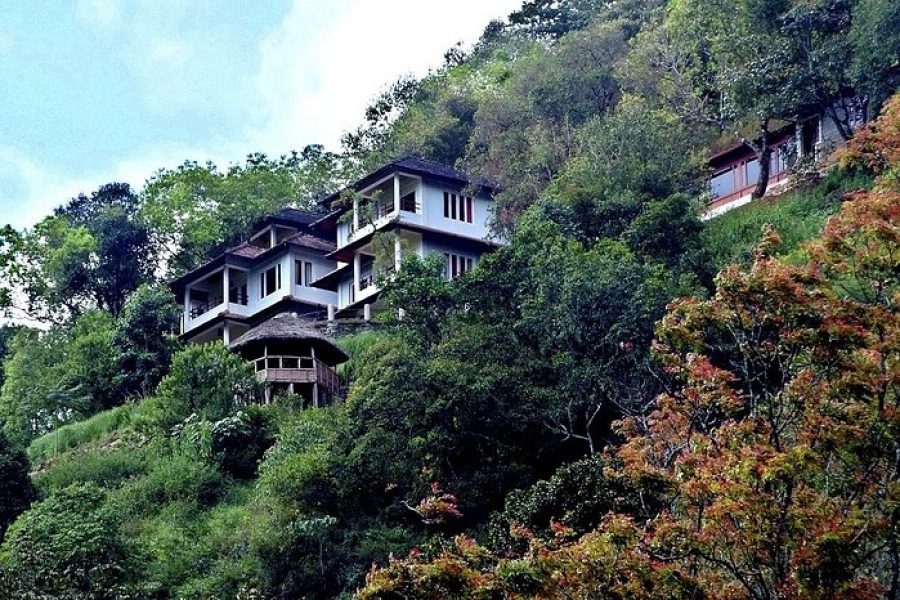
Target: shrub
point(206, 380)
point(68, 547)
point(104, 467)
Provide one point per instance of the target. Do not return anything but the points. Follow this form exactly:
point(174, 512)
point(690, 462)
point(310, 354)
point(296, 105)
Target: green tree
point(91, 253)
point(16, 490)
point(146, 337)
point(197, 211)
point(60, 375)
point(206, 380)
point(875, 66)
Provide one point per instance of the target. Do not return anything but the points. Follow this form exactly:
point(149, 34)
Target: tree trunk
point(763, 157)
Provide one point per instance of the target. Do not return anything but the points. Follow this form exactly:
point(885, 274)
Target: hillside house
point(262, 297)
point(735, 169)
point(409, 206)
point(272, 272)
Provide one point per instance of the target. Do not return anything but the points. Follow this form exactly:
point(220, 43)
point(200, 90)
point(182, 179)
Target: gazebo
point(289, 354)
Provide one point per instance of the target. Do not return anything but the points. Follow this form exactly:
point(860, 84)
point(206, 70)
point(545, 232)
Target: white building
point(270, 273)
point(409, 206)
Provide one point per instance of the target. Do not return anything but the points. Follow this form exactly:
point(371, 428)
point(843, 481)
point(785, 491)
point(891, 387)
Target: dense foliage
point(590, 412)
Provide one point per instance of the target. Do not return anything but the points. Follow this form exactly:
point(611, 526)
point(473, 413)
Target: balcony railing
point(284, 368)
point(199, 308)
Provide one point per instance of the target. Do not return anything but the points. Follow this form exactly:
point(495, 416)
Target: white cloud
point(316, 73)
point(39, 188)
point(103, 16)
point(315, 90)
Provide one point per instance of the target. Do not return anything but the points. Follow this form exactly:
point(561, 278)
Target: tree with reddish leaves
point(776, 445)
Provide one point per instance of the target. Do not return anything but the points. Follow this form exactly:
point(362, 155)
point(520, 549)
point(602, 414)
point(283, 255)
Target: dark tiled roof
point(295, 215)
point(313, 242)
point(247, 250)
point(416, 166)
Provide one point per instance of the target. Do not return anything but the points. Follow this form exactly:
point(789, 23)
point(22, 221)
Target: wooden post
point(315, 388)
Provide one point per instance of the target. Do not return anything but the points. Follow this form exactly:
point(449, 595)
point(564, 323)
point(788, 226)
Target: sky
point(94, 91)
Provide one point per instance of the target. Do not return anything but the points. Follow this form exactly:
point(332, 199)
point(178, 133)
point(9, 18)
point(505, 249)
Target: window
point(457, 207)
point(269, 281)
point(408, 202)
point(304, 272)
point(456, 265)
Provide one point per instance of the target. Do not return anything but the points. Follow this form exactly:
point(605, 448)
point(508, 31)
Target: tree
point(875, 65)
point(197, 211)
point(60, 375)
point(526, 132)
point(92, 253)
point(146, 336)
point(773, 450)
point(206, 380)
point(16, 490)
point(552, 19)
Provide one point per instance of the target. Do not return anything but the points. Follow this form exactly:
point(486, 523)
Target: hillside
point(621, 400)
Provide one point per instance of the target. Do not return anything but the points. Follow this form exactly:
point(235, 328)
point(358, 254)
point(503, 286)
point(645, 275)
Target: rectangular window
point(269, 281)
point(458, 207)
point(456, 265)
point(302, 273)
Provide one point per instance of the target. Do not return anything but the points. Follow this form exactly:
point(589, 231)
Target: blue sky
point(101, 90)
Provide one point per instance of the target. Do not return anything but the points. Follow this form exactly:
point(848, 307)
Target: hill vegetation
point(623, 401)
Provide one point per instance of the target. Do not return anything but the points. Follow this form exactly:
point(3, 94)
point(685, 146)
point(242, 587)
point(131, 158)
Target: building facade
point(409, 206)
point(735, 168)
point(315, 266)
point(270, 273)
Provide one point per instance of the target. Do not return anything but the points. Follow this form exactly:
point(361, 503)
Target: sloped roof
point(416, 166)
point(289, 327)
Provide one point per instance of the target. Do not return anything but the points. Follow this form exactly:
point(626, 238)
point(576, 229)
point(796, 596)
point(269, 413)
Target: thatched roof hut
point(288, 331)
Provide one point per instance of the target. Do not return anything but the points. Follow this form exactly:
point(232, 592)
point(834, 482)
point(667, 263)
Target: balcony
point(295, 369)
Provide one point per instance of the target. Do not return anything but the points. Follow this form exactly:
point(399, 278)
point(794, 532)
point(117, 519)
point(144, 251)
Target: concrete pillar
point(355, 214)
point(396, 193)
point(226, 334)
point(186, 317)
point(331, 312)
point(226, 284)
point(315, 395)
point(367, 312)
point(357, 267)
point(398, 259)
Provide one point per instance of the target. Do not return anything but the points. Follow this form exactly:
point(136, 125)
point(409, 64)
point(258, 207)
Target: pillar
point(355, 214)
point(396, 193)
point(357, 267)
point(398, 259)
point(186, 317)
point(367, 312)
point(331, 312)
point(226, 284)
